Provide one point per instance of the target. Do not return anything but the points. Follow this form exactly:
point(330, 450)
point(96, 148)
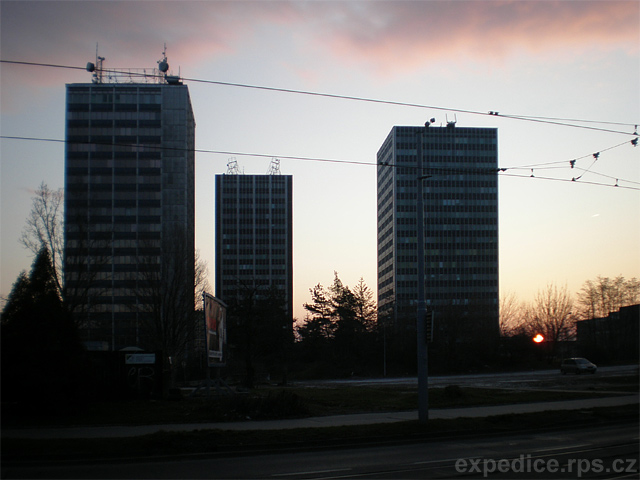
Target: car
point(577, 366)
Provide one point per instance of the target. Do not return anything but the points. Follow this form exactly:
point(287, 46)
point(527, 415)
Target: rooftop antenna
point(274, 167)
point(133, 75)
point(232, 166)
point(163, 64)
point(96, 68)
point(452, 124)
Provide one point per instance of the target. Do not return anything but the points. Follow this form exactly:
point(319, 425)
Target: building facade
point(460, 196)
point(129, 202)
point(254, 237)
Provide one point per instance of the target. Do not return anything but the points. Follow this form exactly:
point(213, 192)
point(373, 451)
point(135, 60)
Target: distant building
point(461, 229)
point(129, 192)
point(254, 237)
point(615, 337)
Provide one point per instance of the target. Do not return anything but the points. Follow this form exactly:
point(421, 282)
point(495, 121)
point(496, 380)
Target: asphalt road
point(594, 452)
point(486, 380)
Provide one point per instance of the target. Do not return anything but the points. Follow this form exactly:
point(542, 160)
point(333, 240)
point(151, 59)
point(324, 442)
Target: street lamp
point(423, 360)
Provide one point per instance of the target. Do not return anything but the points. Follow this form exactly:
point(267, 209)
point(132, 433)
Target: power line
point(428, 170)
point(545, 120)
point(577, 120)
point(570, 181)
point(573, 161)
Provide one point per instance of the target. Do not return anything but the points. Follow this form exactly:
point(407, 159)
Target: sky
point(448, 60)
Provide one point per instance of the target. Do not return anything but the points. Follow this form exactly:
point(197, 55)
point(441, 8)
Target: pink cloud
point(406, 35)
point(387, 36)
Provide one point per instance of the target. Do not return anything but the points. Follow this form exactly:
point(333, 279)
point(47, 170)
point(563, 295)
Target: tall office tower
point(460, 199)
point(129, 202)
point(254, 237)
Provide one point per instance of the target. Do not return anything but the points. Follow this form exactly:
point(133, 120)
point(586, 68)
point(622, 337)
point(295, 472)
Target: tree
point(318, 326)
point(597, 298)
point(511, 315)
point(551, 314)
point(340, 318)
point(261, 329)
point(73, 264)
point(165, 295)
point(40, 346)
point(44, 228)
point(365, 305)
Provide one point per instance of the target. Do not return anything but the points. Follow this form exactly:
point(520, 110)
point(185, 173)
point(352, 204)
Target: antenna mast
point(232, 166)
point(160, 75)
point(274, 167)
point(96, 68)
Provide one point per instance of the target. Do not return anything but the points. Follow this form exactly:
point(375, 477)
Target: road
point(486, 380)
point(595, 452)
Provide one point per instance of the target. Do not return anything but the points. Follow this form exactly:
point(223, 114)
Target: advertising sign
point(215, 318)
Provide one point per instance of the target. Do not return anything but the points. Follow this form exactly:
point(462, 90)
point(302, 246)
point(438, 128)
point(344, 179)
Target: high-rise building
point(460, 197)
point(129, 199)
point(254, 237)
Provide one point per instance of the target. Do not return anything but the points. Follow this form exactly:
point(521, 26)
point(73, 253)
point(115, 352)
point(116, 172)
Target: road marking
point(426, 462)
point(562, 447)
point(293, 474)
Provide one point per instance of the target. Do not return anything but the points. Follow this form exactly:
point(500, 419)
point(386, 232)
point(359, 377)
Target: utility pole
point(421, 331)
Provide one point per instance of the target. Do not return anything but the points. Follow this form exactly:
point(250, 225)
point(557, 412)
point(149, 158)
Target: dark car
point(577, 366)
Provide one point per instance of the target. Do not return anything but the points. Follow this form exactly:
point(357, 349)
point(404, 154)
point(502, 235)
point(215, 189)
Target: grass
point(272, 403)
point(224, 442)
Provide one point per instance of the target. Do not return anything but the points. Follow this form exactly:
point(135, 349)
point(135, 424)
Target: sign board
point(140, 358)
point(215, 321)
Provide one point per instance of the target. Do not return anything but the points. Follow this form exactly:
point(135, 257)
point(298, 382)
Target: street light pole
point(423, 371)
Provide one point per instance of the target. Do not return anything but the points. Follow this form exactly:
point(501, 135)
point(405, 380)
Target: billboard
point(215, 321)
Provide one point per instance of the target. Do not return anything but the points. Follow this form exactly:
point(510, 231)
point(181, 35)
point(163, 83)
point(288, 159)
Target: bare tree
point(511, 315)
point(76, 263)
point(551, 314)
point(44, 228)
point(167, 293)
point(604, 295)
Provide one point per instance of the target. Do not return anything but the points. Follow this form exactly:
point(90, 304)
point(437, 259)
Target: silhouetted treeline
point(41, 352)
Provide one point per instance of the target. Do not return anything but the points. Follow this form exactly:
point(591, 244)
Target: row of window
point(97, 168)
point(84, 114)
point(76, 123)
point(231, 250)
point(111, 158)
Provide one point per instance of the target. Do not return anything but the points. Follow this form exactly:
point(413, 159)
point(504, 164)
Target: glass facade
point(129, 186)
point(254, 236)
point(460, 199)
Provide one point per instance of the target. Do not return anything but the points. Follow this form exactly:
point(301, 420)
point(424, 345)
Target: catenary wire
point(546, 120)
point(539, 165)
point(427, 170)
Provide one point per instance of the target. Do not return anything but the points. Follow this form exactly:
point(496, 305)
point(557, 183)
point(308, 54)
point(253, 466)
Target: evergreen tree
point(40, 346)
point(340, 326)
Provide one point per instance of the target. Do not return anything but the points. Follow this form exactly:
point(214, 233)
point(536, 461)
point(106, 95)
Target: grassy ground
point(277, 402)
point(224, 442)
point(270, 402)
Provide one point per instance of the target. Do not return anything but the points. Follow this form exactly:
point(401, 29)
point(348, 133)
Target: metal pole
point(423, 375)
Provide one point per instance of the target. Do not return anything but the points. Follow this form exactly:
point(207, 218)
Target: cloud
point(386, 36)
point(406, 35)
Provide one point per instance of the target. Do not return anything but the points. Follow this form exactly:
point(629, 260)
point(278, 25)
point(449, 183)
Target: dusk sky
point(566, 60)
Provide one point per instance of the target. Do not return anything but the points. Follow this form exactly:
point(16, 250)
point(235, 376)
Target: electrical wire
point(545, 120)
point(426, 170)
point(571, 162)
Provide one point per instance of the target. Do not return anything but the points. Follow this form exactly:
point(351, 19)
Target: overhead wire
point(542, 166)
point(546, 120)
point(427, 170)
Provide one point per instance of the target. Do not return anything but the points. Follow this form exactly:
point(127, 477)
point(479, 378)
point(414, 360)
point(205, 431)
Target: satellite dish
point(163, 66)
